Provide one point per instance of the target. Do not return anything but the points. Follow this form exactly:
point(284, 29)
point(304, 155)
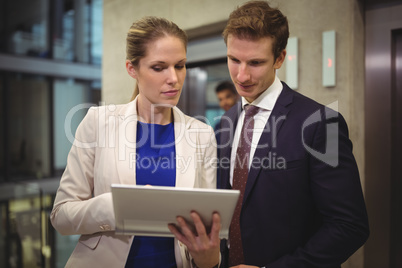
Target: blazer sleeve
point(336, 190)
point(76, 210)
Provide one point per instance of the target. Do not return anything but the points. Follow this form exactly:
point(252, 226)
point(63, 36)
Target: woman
point(110, 143)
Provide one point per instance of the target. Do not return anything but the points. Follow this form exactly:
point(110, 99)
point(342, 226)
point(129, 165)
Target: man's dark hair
point(226, 85)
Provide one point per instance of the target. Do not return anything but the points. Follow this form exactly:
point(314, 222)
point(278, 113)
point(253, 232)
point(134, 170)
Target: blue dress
point(155, 165)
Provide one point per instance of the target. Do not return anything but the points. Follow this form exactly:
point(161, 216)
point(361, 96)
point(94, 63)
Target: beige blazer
point(103, 153)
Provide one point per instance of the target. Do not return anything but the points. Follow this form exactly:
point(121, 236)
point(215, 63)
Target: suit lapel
point(227, 130)
point(268, 137)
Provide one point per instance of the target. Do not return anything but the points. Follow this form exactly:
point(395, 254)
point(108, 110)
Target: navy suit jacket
point(303, 204)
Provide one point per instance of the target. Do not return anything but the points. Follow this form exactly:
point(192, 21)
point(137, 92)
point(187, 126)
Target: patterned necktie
point(240, 175)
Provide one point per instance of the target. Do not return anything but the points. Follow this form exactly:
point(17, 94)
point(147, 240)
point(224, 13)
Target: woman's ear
point(130, 69)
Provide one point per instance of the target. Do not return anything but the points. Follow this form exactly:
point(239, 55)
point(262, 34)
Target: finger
point(173, 229)
point(216, 226)
point(203, 238)
point(186, 231)
point(199, 226)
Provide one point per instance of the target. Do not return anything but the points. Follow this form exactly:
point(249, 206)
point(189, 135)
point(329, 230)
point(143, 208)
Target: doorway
point(383, 140)
point(396, 158)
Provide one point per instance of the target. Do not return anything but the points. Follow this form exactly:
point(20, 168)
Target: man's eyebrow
point(250, 60)
point(259, 60)
point(230, 56)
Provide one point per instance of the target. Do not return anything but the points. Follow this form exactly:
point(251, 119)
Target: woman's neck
point(154, 114)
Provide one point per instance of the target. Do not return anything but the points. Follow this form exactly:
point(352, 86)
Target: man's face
point(226, 99)
point(251, 65)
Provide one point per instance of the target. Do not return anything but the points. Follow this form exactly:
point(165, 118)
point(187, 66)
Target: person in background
point(301, 202)
point(227, 95)
point(110, 145)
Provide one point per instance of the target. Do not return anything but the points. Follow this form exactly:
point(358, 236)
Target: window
point(28, 126)
point(71, 100)
point(199, 98)
point(2, 127)
point(69, 30)
point(27, 27)
point(78, 34)
point(37, 93)
point(206, 67)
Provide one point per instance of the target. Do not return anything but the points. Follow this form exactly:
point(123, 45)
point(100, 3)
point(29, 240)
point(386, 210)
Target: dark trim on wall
point(374, 4)
point(49, 67)
point(396, 149)
point(206, 30)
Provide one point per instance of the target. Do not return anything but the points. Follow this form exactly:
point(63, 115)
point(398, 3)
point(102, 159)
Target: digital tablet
point(147, 210)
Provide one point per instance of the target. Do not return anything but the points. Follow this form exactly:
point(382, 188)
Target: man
point(226, 94)
point(301, 202)
point(228, 97)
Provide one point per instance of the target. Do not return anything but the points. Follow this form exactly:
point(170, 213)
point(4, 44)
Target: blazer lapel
point(268, 137)
point(185, 152)
point(125, 149)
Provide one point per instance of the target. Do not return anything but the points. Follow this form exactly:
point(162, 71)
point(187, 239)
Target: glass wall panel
point(3, 39)
point(63, 41)
point(78, 35)
point(71, 100)
point(25, 227)
point(33, 110)
point(2, 129)
point(64, 245)
point(27, 27)
point(25, 232)
point(28, 127)
point(3, 233)
point(76, 29)
point(214, 73)
point(96, 31)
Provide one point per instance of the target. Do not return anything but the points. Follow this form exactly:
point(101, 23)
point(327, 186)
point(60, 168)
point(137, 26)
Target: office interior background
point(58, 57)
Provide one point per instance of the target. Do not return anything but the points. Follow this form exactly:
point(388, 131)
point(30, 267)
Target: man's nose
point(243, 75)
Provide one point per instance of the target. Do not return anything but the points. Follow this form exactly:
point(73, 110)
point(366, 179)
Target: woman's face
point(160, 74)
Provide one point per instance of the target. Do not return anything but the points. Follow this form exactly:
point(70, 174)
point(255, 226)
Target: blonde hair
point(144, 31)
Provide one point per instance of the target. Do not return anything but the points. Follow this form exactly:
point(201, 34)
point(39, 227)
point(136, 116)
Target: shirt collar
point(268, 98)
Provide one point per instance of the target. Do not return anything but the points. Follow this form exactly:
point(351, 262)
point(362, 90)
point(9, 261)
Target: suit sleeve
point(337, 194)
point(76, 210)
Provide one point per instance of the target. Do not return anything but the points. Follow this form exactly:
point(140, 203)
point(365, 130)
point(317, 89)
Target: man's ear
point(130, 69)
point(279, 60)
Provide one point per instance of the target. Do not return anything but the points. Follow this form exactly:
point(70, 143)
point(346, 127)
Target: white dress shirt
point(266, 102)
